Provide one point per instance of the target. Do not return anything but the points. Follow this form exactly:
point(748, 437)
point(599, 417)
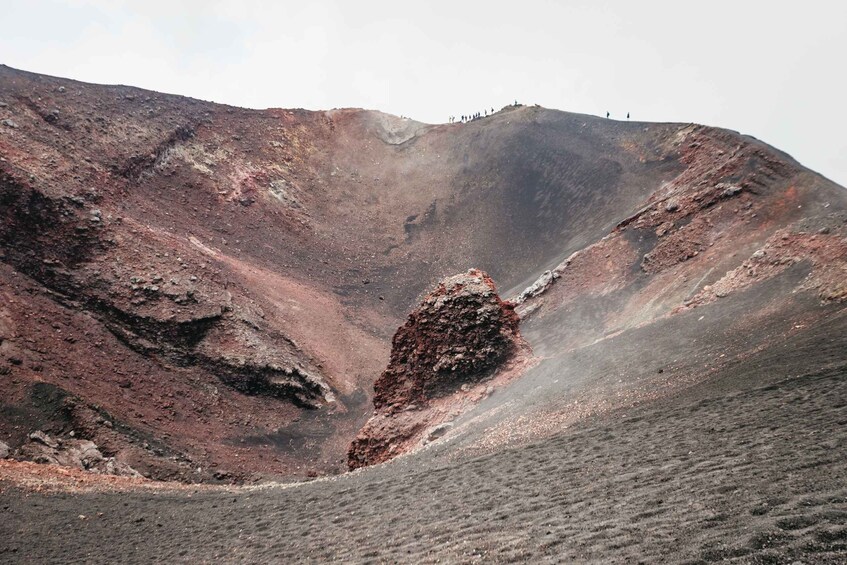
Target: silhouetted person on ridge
point(607, 115)
point(627, 115)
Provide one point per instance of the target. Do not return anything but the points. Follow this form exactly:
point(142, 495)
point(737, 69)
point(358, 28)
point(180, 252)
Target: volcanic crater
point(196, 297)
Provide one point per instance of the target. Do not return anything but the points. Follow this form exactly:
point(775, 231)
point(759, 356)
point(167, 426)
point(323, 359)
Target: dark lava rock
point(460, 335)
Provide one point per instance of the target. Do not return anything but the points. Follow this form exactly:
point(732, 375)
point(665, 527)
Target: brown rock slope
point(442, 360)
point(206, 291)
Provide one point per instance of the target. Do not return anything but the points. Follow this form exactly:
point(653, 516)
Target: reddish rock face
point(459, 336)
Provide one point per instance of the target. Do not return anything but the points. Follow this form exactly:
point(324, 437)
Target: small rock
point(4, 450)
point(664, 228)
point(439, 431)
point(730, 190)
point(60, 89)
point(41, 437)
point(540, 285)
point(9, 124)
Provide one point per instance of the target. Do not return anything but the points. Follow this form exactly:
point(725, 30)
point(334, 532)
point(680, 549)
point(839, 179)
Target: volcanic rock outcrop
point(459, 336)
point(79, 453)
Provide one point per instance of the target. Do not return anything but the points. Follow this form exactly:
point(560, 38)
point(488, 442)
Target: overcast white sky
point(775, 69)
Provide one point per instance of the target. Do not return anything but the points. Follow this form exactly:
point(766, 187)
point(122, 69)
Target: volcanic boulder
point(69, 452)
point(459, 336)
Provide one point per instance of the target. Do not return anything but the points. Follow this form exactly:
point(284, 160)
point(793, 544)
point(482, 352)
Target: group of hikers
point(470, 117)
point(474, 116)
point(484, 114)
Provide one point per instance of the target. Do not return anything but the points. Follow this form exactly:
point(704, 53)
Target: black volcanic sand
point(748, 467)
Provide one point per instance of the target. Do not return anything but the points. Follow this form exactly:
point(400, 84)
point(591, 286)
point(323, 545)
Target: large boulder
point(456, 340)
point(70, 452)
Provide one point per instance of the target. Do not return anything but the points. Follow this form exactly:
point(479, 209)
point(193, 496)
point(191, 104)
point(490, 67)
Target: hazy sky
point(775, 69)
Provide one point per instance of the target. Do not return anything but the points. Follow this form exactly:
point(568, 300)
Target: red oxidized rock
point(460, 334)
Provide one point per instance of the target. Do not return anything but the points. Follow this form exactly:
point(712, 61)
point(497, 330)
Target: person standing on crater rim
point(627, 115)
point(607, 115)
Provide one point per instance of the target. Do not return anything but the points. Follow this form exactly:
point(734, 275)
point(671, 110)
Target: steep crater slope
point(209, 292)
point(744, 251)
